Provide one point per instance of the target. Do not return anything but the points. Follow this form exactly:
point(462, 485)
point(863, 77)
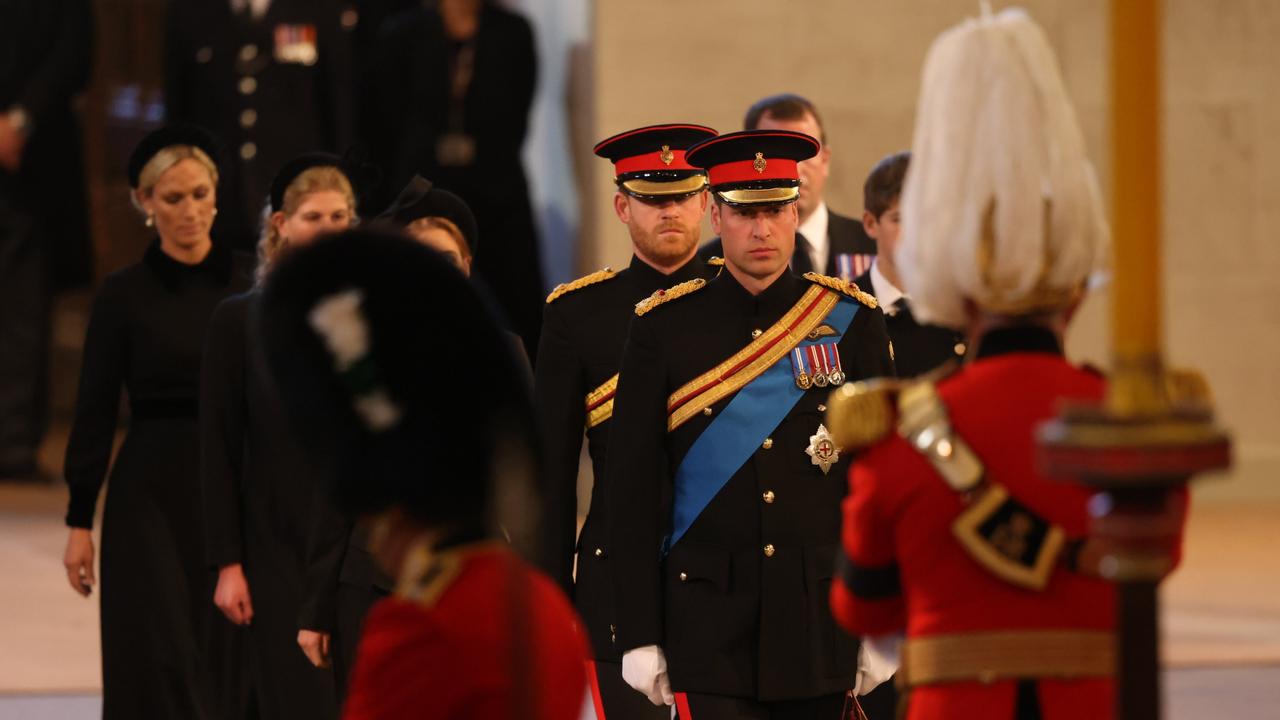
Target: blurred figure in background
point(45, 51)
point(146, 333)
point(456, 81)
point(271, 78)
point(258, 484)
point(359, 332)
point(443, 222)
point(917, 348)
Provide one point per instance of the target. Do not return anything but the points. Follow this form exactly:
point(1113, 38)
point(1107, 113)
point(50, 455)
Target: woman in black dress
point(146, 333)
point(257, 483)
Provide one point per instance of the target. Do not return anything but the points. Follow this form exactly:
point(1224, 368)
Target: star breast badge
point(822, 449)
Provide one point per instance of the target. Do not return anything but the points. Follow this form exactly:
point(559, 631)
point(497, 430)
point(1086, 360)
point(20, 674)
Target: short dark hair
point(884, 184)
point(786, 106)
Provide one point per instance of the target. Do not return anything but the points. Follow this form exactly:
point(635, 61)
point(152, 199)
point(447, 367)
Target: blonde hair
point(163, 161)
point(1000, 204)
point(435, 222)
point(321, 178)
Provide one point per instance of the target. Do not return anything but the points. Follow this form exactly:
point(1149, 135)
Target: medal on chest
point(822, 450)
point(817, 365)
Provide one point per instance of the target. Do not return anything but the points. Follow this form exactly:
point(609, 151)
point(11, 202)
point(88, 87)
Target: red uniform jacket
point(915, 575)
point(489, 639)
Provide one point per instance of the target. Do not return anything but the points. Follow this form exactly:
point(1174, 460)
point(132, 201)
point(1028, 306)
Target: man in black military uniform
point(720, 408)
point(272, 79)
point(45, 51)
point(661, 199)
point(917, 348)
point(824, 238)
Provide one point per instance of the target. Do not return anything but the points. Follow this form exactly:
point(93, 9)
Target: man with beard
point(661, 200)
point(724, 486)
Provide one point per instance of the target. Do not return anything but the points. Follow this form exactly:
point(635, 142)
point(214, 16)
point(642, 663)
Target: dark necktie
point(801, 262)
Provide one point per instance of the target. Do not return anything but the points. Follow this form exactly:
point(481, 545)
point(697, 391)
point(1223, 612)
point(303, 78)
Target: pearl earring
point(151, 221)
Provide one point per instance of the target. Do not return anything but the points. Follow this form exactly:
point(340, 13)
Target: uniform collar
point(886, 292)
point(172, 273)
point(772, 301)
point(1018, 339)
point(650, 277)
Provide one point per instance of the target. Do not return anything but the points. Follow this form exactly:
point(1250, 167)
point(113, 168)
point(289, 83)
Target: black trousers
point(24, 332)
point(614, 699)
point(697, 706)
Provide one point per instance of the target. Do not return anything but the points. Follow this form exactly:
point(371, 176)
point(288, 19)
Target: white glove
point(645, 669)
point(878, 659)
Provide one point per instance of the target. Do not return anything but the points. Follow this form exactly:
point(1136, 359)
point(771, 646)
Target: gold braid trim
point(748, 363)
point(585, 280)
point(715, 261)
point(600, 402)
point(846, 287)
point(671, 293)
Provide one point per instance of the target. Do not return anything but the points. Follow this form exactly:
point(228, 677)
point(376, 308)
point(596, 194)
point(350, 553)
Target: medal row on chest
point(817, 365)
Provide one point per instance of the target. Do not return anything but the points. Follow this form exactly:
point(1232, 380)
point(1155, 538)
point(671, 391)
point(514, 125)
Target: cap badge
point(822, 449)
point(666, 156)
point(760, 164)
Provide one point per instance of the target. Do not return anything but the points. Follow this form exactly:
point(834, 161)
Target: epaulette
point(861, 414)
point(843, 286)
point(715, 261)
point(671, 293)
point(595, 277)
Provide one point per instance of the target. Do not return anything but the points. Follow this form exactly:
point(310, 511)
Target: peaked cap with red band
point(754, 167)
point(650, 161)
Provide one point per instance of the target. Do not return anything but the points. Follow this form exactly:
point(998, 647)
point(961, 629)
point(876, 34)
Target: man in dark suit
point(724, 485)
point(272, 79)
point(661, 199)
point(45, 52)
point(826, 241)
point(917, 348)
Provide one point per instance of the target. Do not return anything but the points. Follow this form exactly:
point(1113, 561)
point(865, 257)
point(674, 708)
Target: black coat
point(731, 620)
point(414, 80)
point(917, 348)
point(45, 52)
point(258, 490)
point(146, 335)
point(845, 236)
point(252, 84)
point(583, 333)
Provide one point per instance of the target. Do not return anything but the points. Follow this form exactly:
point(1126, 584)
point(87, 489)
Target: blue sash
point(737, 432)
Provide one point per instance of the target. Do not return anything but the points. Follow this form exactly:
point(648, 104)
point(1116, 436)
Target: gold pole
point(1137, 386)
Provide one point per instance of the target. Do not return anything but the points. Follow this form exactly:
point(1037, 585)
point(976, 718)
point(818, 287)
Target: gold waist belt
point(1017, 654)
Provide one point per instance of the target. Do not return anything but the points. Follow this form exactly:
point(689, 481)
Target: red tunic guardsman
point(952, 535)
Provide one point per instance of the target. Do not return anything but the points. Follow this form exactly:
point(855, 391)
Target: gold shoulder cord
point(1001, 534)
point(843, 286)
point(671, 293)
point(565, 288)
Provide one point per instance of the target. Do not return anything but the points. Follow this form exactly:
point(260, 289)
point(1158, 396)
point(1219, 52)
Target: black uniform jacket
point(270, 89)
point(732, 619)
point(581, 348)
point(845, 236)
point(917, 348)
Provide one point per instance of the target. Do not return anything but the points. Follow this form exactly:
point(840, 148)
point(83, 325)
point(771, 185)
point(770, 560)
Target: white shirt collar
point(886, 292)
point(815, 231)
